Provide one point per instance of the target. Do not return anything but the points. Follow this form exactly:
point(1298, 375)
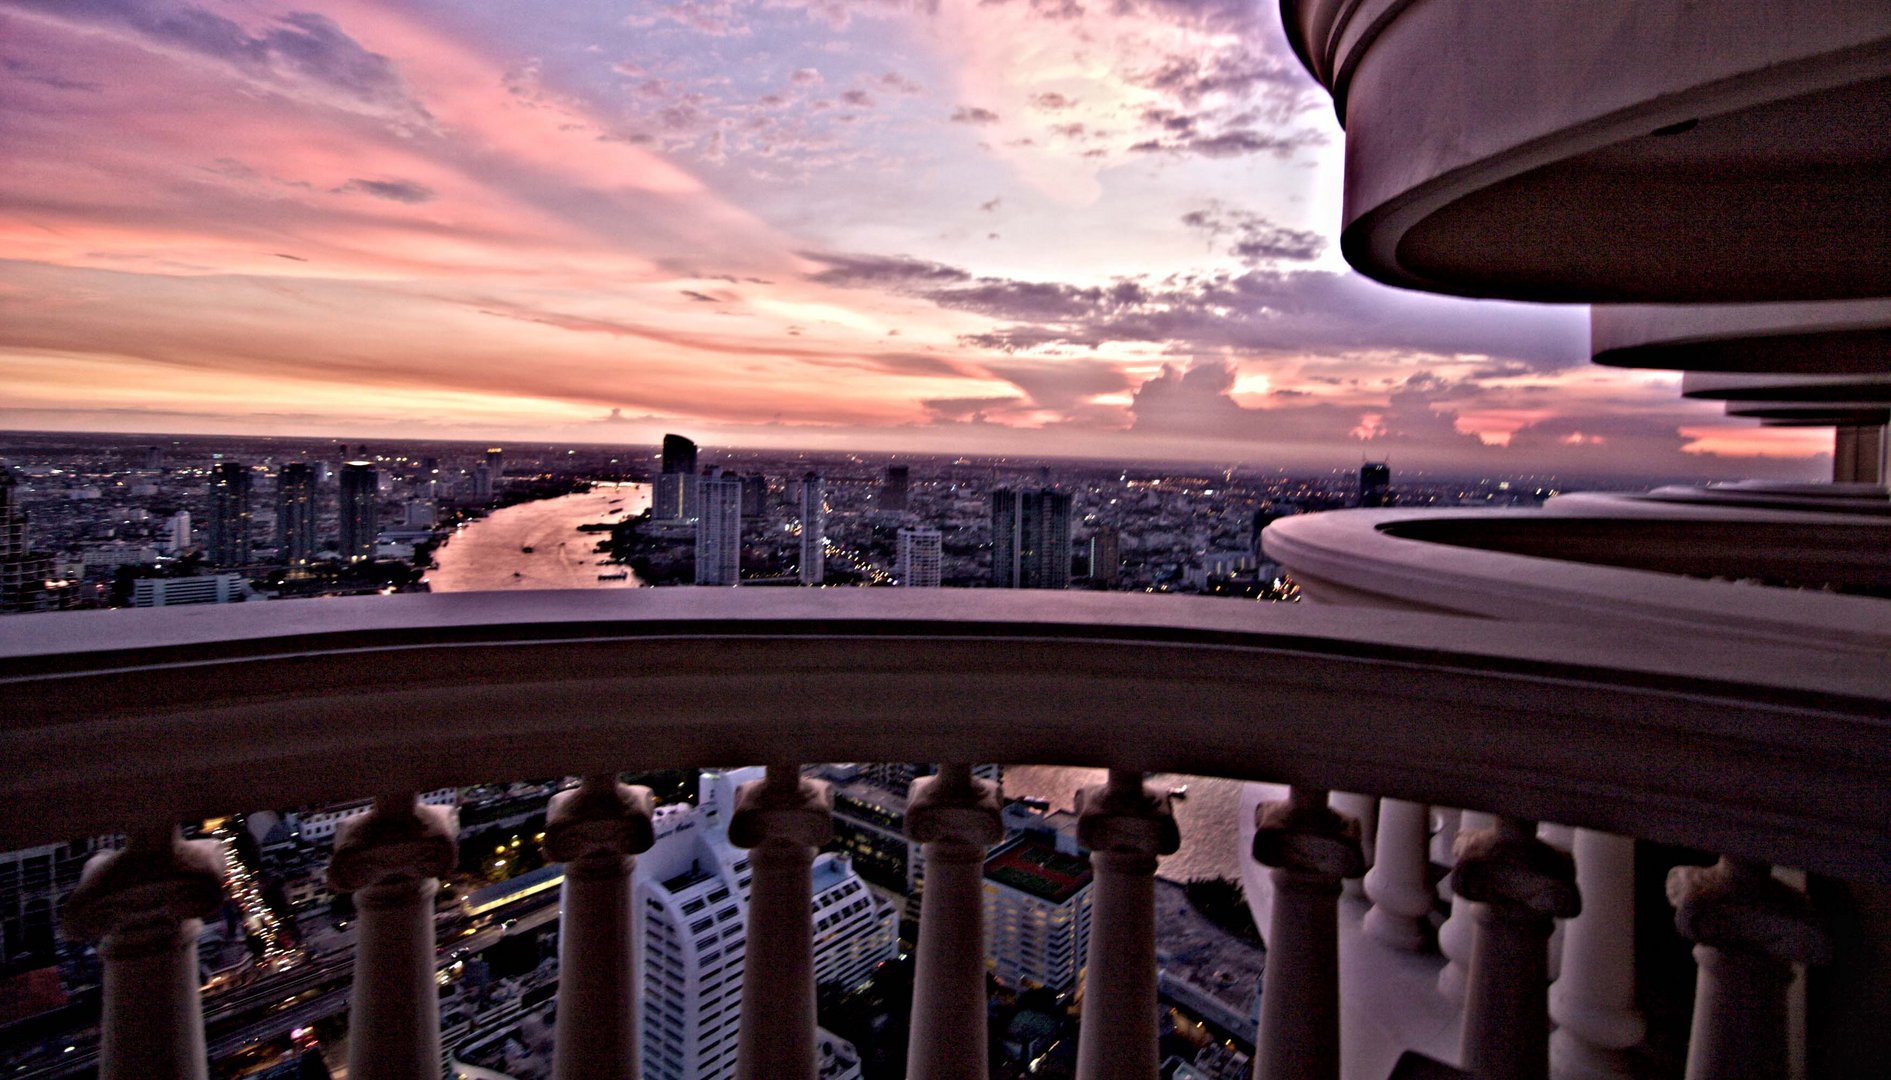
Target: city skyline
point(1062, 231)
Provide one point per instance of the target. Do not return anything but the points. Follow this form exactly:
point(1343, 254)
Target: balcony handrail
point(1761, 750)
point(1431, 558)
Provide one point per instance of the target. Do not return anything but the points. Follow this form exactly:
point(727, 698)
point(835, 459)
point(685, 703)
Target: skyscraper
point(230, 515)
point(921, 556)
point(1106, 556)
point(675, 497)
point(23, 573)
point(719, 530)
point(690, 900)
point(893, 492)
point(754, 496)
point(295, 515)
point(180, 538)
point(1030, 539)
point(1375, 481)
point(496, 461)
point(482, 481)
point(813, 529)
point(360, 510)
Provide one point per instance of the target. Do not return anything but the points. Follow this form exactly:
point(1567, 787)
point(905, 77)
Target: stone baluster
point(1593, 999)
point(597, 829)
point(144, 906)
point(1125, 824)
point(781, 820)
point(1454, 937)
point(1399, 882)
point(1311, 849)
point(1748, 931)
point(1364, 808)
point(391, 859)
point(956, 818)
point(1522, 886)
point(1444, 841)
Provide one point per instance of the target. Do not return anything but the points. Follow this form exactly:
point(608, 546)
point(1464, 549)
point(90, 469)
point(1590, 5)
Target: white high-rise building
point(180, 533)
point(921, 554)
point(813, 529)
point(690, 903)
point(1037, 902)
point(719, 530)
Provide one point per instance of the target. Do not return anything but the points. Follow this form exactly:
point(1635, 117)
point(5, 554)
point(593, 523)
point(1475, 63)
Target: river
point(486, 555)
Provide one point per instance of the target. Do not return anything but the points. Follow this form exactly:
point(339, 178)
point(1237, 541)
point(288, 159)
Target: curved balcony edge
point(1606, 152)
point(1762, 750)
point(1832, 338)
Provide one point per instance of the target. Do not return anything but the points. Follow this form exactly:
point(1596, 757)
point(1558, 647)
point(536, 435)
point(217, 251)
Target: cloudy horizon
point(962, 226)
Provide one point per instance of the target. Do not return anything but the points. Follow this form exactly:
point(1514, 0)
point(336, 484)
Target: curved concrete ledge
point(1838, 338)
point(1857, 499)
point(1638, 151)
point(1616, 564)
point(1811, 388)
point(1846, 414)
point(1768, 751)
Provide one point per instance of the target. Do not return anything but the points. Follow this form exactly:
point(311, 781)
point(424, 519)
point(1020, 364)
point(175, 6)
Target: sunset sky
point(1093, 227)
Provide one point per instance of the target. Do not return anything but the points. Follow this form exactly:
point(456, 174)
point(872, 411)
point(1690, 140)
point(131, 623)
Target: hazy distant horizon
point(649, 453)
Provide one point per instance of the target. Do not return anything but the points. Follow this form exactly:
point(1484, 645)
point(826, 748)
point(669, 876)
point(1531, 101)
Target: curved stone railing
point(1871, 500)
point(1620, 560)
point(131, 721)
point(1619, 151)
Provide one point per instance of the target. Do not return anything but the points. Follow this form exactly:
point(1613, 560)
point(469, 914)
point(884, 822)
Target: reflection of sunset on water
point(489, 553)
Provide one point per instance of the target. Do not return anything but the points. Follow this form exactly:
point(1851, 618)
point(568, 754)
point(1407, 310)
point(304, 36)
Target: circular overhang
point(1828, 389)
point(1834, 338)
point(1652, 152)
point(1818, 413)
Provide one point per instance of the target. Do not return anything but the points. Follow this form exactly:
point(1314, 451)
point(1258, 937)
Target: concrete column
point(391, 859)
point(1125, 824)
point(1858, 454)
point(596, 830)
point(1454, 937)
point(1365, 809)
point(145, 906)
point(1523, 885)
point(781, 820)
point(1593, 999)
point(1749, 930)
point(957, 818)
point(1399, 883)
point(1311, 849)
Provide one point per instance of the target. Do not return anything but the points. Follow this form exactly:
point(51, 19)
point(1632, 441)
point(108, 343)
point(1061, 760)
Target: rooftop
point(1032, 866)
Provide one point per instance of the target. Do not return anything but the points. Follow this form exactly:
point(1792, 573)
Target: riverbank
point(490, 554)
